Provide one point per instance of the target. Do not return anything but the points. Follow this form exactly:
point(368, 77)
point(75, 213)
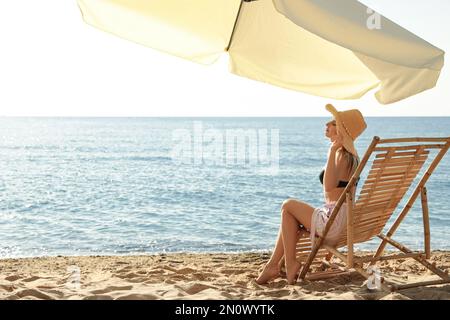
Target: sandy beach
point(192, 276)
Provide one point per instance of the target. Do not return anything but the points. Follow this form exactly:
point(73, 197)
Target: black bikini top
point(341, 184)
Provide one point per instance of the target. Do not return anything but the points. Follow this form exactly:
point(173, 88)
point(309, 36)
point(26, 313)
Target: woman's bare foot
point(282, 268)
point(270, 272)
point(292, 271)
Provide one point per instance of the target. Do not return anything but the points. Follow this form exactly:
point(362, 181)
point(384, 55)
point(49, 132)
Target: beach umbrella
point(337, 49)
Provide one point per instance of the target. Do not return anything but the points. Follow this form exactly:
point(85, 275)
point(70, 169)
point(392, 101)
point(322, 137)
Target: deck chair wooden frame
point(395, 167)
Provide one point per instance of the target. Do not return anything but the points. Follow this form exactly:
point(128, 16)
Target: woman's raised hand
point(336, 142)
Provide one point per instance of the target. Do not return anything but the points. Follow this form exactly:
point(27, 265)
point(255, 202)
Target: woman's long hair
point(352, 161)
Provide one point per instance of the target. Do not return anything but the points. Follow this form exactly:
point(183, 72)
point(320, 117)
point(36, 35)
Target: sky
point(53, 64)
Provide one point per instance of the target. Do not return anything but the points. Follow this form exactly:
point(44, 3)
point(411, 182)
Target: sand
point(193, 276)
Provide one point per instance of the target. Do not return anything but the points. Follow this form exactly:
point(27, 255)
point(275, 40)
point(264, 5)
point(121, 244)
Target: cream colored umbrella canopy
point(322, 47)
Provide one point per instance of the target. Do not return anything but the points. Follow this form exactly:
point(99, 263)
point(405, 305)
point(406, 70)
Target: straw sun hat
point(350, 124)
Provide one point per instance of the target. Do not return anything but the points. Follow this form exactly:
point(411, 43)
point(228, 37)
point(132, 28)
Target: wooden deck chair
point(396, 164)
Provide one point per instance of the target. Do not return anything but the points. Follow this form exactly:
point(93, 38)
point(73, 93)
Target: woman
point(296, 216)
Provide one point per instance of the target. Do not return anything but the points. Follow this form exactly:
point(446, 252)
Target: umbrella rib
point(234, 26)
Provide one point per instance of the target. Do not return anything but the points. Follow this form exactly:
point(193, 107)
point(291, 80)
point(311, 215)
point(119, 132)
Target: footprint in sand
point(242, 284)
point(98, 297)
point(33, 293)
point(142, 272)
point(137, 296)
point(175, 261)
point(195, 288)
point(152, 281)
point(154, 272)
point(203, 276)
point(57, 293)
point(132, 277)
point(169, 281)
point(185, 271)
point(219, 259)
point(125, 274)
point(30, 279)
point(13, 278)
point(110, 289)
point(228, 296)
point(179, 277)
point(169, 268)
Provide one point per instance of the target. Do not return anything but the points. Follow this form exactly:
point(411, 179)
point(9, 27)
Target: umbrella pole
point(235, 24)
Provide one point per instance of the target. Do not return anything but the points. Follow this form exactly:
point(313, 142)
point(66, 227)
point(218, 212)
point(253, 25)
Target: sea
point(130, 186)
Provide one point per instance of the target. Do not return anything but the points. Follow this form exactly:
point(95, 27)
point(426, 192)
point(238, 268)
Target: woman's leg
point(272, 268)
point(293, 213)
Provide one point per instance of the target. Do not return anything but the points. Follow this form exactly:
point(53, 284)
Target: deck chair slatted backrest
point(388, 180)
point(394, 169)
